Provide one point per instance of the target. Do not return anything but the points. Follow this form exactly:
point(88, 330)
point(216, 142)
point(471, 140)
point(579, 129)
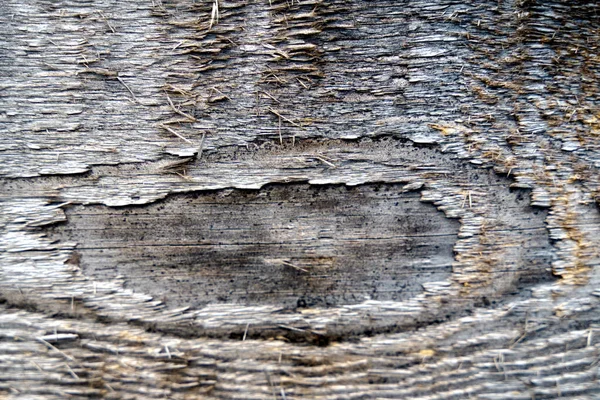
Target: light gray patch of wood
point(76, 93)
point(478, 355)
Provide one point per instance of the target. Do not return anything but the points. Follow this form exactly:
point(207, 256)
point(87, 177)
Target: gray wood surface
point(288, 199)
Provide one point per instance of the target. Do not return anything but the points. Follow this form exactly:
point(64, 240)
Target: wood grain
point(482, 115)
point(286, 245)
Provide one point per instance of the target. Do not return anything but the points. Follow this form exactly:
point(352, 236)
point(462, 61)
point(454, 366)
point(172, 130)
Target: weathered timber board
point(294, 128)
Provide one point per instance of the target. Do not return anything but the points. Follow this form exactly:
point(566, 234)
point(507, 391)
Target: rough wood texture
point(320, 115)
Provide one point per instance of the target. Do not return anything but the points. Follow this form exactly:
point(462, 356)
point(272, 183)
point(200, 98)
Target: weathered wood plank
point(138, 104)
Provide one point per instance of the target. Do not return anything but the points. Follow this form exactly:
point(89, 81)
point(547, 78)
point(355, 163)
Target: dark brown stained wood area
point(287, 245)
point(319, 199)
